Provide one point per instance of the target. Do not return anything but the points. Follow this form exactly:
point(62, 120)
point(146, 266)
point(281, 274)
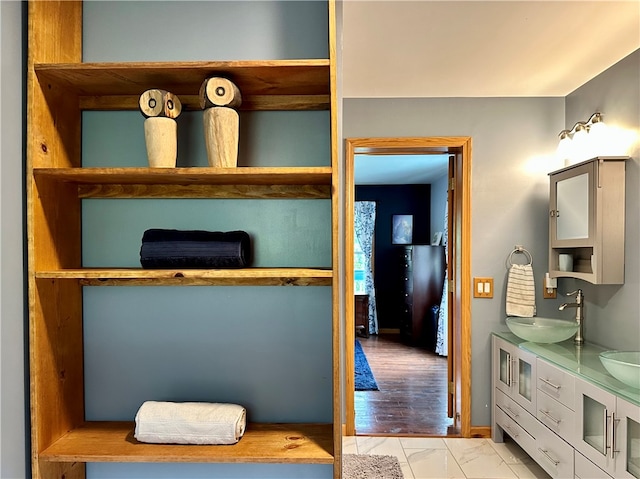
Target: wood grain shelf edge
point(261, 77)
point(192, 102)
point(194, 175)
point(261, 443)
point(194, 277)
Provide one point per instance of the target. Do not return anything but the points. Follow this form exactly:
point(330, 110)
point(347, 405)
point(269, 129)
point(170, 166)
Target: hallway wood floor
point(412, 399)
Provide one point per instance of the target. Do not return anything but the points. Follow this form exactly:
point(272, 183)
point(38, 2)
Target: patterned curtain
point(364, 224)
point(442, 336)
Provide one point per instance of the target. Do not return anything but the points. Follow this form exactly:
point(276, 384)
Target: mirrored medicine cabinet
point(587, 221)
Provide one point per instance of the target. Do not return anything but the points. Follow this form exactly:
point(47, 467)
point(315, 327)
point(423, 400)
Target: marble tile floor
point(450, 458)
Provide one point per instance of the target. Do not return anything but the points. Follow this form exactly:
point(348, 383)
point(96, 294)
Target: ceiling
point(455, 48)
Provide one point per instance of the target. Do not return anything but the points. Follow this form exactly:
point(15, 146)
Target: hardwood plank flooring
point(412, 399)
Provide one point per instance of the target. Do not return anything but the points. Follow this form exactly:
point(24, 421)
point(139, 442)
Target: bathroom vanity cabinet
point(584, 423)
point(587, 220)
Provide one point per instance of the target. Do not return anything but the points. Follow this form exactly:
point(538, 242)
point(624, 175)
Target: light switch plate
point(483, 287)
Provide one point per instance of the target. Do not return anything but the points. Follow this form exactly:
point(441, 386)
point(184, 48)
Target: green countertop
point(583, 362)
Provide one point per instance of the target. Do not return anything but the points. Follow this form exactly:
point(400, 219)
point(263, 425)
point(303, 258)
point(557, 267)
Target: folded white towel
point(190, 423)
point(521, 291)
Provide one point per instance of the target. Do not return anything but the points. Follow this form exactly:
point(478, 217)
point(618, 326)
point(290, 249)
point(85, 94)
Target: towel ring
point(520, 250)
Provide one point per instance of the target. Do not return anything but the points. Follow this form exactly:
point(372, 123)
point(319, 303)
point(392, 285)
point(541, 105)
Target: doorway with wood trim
point(458, 266)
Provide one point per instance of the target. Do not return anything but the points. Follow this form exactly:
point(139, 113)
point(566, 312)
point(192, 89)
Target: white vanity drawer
point(526, 441)
point(553, 454)
point(516, 412)
point(556, 383)
point(585, 469)
point(557, 417)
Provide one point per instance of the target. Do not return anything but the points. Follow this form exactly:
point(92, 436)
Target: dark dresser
point(423, 268)
point(362, 315)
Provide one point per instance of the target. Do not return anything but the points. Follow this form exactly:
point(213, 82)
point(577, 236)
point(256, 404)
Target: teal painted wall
point(204, 30)
point(267, 348)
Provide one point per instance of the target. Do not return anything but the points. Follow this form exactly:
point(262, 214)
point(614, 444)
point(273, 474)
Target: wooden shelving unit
point(60, 87)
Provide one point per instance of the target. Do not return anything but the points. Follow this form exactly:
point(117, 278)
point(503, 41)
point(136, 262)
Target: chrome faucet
point(579, 305)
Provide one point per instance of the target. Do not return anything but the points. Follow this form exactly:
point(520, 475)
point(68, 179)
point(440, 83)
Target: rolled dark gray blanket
point(163, 248)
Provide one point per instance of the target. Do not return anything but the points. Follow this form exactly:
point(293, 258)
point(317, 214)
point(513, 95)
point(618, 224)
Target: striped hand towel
point(521, 291)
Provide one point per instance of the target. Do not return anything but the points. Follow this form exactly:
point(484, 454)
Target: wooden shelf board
point(192, 102)
point(261, 443)
point(189, 176)
point(267, 77)
point(206, 191)
point(195, 277)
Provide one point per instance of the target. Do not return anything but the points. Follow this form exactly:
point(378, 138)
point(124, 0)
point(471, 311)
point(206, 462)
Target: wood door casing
point(451, 397)
point(459, 291)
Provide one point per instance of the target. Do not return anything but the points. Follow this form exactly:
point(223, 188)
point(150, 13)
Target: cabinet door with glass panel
point(627, 461)
point(608, 431)
point(515, 374)
point(587, 221)
point(572, 204)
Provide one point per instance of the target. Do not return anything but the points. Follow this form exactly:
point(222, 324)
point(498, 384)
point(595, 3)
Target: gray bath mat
point(363, 466)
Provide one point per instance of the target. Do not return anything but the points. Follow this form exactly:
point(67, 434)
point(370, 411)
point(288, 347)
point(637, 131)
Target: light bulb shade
point(599, 139)
point(563, 152)
point(581, 146)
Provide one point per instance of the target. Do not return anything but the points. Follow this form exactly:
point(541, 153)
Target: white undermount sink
point(542, 330)
point(623, 365)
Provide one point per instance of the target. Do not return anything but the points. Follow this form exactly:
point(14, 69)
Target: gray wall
point(12, 363)
point(613, 312)
point(514, 141)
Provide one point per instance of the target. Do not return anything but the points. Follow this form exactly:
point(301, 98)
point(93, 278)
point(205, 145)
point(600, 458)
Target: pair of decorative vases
point(219, 98)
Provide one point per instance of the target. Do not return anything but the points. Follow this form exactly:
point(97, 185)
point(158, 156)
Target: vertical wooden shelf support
point(53, 216)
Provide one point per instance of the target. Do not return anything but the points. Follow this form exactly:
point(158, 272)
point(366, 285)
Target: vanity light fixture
point(584, 141)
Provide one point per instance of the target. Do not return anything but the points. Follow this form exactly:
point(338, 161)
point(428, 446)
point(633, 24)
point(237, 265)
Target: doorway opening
point(458, 266)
